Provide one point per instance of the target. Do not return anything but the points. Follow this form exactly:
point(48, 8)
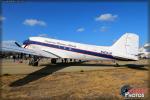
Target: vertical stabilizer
point(127, 46)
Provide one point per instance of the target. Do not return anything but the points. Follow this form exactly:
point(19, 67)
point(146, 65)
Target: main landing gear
point(53, 61)
point(34, 61)
point(64, 60)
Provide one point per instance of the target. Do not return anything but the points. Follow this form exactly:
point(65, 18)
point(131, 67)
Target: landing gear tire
point(53, 61)
point(35, 64)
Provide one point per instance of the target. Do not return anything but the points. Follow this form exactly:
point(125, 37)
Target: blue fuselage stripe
point(69, 49)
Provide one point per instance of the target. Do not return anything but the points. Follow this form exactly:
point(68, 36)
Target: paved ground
point(10, 67)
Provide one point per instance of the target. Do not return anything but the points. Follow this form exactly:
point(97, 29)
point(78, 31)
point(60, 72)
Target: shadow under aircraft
point(49, 69)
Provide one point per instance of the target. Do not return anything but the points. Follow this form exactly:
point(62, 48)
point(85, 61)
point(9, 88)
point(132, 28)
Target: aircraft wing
point(14, 47)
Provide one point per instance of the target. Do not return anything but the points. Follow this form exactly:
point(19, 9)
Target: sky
point(97, 23)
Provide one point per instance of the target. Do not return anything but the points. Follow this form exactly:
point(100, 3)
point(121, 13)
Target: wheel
point(53, 61)
point(70, 60)
point(35, 63)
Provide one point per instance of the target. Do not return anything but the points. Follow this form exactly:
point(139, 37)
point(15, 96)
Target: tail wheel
point(53, 61)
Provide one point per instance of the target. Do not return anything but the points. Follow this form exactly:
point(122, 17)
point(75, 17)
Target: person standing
point(14, 57)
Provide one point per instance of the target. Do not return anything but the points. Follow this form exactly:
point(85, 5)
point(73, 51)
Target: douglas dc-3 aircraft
point(126, 48)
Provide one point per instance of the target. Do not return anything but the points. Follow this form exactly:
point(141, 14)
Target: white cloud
point(80, 29)
point(106, 17)
point(2, 18)
point(33, 22)
point(103, 29)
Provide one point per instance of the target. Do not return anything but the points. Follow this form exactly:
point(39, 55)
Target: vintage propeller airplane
point(126, 48)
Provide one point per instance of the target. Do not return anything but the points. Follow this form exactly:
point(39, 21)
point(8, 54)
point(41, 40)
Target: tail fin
point(127, 46)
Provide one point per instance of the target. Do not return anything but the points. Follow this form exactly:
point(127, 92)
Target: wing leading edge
point(14, 47)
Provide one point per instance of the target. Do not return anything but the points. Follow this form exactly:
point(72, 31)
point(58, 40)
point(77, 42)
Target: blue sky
point(98, 23)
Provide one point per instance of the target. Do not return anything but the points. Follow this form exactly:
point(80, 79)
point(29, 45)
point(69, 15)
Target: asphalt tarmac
point(10, 67)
